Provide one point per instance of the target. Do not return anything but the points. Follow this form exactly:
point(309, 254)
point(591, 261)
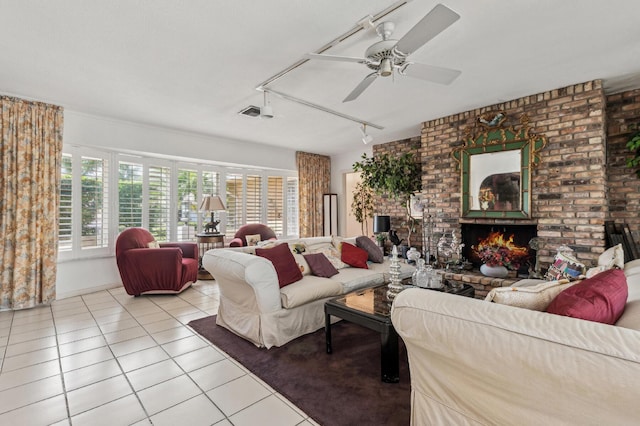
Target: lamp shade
point(211, 203)
point(381, 224)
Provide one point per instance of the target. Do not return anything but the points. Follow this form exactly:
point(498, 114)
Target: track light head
point(365, 137)
point(266, 111)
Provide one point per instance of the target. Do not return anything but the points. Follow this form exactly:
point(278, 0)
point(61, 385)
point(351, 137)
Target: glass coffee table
point(370, 308)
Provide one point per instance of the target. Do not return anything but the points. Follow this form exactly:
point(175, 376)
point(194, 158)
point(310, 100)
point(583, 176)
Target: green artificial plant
point(634, 146)
point(398, 177)
point(362, 206)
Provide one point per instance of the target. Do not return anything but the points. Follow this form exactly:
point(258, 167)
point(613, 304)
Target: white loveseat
point(475, 362)
point(253, 306)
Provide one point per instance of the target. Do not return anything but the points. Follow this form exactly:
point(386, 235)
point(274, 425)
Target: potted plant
point(395, 176)
point(362, 206)
point(634, 146)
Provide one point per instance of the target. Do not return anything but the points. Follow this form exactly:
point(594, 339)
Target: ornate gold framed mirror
point(495, 164)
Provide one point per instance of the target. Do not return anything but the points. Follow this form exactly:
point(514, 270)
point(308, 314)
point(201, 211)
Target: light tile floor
point(107, 358)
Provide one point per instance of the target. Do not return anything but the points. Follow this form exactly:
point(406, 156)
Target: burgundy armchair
point(265, 232)
point(171, 268)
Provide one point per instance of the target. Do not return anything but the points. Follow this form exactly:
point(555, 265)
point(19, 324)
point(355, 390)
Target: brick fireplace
point(516, 236)
point(572, 186)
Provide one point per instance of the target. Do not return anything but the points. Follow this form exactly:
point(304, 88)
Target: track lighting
point(266, 111)
point(365, 137)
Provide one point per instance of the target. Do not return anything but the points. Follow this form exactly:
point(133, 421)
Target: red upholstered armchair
point(170, 268)
point(265, 232)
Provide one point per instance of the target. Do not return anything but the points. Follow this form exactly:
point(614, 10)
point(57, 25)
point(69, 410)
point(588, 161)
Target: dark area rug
point(343, 388)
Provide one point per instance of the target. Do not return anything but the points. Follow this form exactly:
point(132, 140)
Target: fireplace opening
point(514, 237)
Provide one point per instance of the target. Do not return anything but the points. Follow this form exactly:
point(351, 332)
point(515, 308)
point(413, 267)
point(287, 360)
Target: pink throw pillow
point(601, 298)
point(354, 256)
point(284, 262)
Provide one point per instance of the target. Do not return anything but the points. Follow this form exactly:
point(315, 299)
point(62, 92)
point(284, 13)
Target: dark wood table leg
point(327, 331)
point(389, 357)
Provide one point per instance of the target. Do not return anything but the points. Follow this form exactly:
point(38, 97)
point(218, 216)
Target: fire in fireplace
point(515, 238)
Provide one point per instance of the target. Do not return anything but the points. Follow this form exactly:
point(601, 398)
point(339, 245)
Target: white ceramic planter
point(494, 271)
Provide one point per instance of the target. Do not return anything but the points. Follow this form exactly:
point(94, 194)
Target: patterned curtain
point(314, 179)
point(30, 155)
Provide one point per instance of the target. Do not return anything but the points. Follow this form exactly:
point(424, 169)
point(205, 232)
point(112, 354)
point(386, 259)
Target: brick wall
point(623, 117)
point(570, 191)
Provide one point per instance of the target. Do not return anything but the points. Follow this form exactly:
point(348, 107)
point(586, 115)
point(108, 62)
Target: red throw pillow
point(354, 256)
point(320, 266)
point(284, 262)
point(601, 298)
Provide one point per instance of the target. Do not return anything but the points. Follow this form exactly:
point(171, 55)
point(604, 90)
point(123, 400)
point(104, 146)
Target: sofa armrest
point(189, 250)
point(149, 267)
point(496, 364)
point(248, 281)
point(236, 242)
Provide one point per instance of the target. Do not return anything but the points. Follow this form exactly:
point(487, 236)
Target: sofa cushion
point(302, 264)
point(601, 298)
point(354, 256)
point(331, 253)
point(372, 249)
point(535, 297)
point(352, 279)
point(565, 266)
point(320, 265)
point(284, 263)
point(253, 239)
point(307, 290)
point(632, 267)
point(612, 257)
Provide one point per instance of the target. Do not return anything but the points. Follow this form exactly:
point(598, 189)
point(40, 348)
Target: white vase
point(494, 271)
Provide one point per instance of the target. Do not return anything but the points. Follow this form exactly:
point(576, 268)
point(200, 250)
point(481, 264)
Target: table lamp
point(211, 203)
point(381, 225)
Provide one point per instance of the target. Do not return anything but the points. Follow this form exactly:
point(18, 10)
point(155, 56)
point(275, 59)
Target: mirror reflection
point(494, 181)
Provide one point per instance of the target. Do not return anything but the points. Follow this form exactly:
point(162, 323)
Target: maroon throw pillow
point(372, 249)
point(284, 262)
point(601, 298)
point(354, 256)
point(319, 265)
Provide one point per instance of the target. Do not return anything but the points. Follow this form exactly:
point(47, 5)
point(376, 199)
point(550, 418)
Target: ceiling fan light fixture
point(386, 69)
point(365, 137)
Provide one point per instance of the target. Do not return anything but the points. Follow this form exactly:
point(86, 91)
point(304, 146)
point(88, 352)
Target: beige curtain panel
point(31, 151)
point(314, 179)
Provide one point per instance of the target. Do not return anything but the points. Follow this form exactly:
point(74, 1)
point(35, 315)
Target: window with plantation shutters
point(187, 220)
point(292, 206)
point(102, 193)
point(65, 222)
point(234, 203)
point(253, 205)
point(83, 213)
point(129, 195)
point(275, 204)
point(159, 206)
point(95, 203)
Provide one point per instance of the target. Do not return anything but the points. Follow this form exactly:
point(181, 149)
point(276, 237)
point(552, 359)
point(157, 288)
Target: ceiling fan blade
point(335, 58)
point(366, 82)
point(430, 73)
point(434, 22)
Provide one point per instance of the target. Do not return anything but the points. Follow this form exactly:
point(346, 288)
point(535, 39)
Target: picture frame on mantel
point(495, 163)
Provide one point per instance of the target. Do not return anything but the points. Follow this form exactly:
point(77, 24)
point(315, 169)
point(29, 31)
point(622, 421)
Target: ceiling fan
point(388, 55)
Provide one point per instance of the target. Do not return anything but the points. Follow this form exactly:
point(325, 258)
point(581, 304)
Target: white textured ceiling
point(192, 65)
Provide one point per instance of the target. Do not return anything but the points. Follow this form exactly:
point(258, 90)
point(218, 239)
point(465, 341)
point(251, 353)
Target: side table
point(207, 242)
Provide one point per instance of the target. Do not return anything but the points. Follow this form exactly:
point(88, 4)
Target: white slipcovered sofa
point(253, 306)
point(475, 362)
